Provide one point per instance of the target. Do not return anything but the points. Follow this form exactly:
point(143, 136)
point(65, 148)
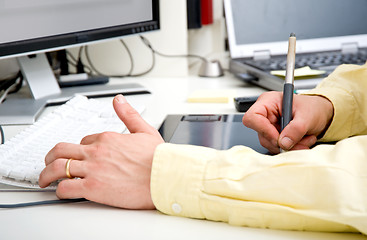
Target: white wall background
point(209, 39)
point(172, 39)
point(111, 57)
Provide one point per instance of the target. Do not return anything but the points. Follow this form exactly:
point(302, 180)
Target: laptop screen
point(269, 21)
point(266, 21)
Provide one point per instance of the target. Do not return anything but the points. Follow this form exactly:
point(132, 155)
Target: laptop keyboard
point(323, 61)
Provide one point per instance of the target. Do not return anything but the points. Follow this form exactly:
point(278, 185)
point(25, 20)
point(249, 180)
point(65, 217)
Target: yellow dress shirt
point(322, 189)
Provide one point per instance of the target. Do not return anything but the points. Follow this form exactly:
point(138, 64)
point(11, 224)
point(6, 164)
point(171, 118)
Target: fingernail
point(286, 143)
point(120, 99)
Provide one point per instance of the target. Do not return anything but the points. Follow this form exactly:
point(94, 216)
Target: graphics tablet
point(219, 131)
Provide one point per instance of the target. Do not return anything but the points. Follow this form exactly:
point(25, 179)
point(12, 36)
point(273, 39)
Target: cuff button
point(176, 208)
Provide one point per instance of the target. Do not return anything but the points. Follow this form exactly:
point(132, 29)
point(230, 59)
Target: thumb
point(292, 134)
point(131, 118)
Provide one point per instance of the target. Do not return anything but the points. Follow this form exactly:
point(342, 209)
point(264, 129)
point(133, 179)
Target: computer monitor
point(32, 28)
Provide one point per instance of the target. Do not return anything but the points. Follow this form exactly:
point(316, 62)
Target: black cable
point(47, 202)
point(7, 83)
point(93, 68)
point(129, 74)
point(73, 61)
point(18, 84)
point(147, 71)
point(2, 135)
point(68, 54)
point(80, 65)
point(130, 57)
point(61, 57)
point(11, 86)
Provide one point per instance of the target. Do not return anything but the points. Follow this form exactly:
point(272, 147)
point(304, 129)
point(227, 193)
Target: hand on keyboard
point(110, 168)
point(22, 157)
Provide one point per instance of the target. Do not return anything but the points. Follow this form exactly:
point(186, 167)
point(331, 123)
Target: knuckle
point(247, 120)
point(105, 136)
point(59, 147)
point(84, 139)
point(97, 151)
point(93, 151)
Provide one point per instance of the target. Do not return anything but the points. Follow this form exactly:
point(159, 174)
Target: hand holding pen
point(302, 117)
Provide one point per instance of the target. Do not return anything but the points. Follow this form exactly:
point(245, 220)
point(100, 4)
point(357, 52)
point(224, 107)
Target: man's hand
point(108, 168)
point(311, 116)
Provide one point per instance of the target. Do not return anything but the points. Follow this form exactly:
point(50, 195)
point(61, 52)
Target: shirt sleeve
point(323, 189)
point(346, 88)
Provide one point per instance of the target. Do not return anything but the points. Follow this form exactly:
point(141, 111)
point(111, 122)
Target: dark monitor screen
point(29, 26)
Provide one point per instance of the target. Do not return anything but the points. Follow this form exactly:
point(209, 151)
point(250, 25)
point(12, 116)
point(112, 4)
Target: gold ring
point(67, 168)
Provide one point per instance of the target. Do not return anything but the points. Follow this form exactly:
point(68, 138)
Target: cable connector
point(80, 67)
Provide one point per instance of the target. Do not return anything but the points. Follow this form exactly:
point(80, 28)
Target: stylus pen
point(289, 83)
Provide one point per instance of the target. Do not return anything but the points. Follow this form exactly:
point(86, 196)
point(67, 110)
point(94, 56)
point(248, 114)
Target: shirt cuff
point(175, 184)
point(344, 109)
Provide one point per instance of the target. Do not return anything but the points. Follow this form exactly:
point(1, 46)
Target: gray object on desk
point(216, 131)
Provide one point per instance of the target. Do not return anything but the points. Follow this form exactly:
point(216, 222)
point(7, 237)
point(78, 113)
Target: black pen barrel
point(287, 105)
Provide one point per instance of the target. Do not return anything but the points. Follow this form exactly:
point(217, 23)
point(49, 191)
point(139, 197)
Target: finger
point(131, 118)
point(57, 170)
point(300, 147)
point(308, 140)
point(274, 149)
point(70, 188)
point(64, 150)
point(293, 133)
point(89, 139)
point(263, 116)
point(263, 127)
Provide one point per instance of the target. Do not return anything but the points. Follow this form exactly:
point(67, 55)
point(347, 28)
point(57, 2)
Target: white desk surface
point(89, 220)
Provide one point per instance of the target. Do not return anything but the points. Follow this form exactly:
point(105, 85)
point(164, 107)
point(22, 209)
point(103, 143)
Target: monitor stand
point(25, 106)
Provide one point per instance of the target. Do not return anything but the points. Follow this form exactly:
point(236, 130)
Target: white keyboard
point(22, 158)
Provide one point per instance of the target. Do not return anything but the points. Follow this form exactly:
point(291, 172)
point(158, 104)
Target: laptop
point(219, 131)
point(329, 33)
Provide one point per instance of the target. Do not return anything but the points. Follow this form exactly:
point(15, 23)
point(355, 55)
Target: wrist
point(328, 113)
